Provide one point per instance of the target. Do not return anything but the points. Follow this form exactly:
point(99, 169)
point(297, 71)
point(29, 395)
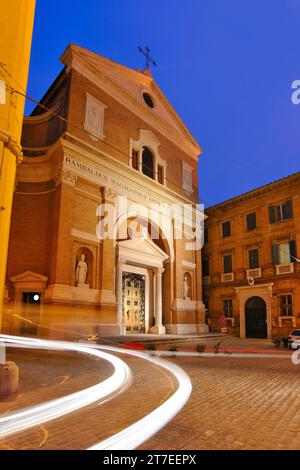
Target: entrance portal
point(31, 313)
point(256, 318)
point(133, 302)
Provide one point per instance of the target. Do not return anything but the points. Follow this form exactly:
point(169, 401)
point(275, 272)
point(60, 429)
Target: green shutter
point(275, 252)
point(293, 253)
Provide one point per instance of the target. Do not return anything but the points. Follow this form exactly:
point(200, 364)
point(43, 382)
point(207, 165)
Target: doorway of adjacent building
point(256, 318)
point(31, 302)
point(133, 303)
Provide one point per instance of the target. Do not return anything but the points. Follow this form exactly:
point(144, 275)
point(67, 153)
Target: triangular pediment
point(133, 83)
point(143, 248)
point(28, 276)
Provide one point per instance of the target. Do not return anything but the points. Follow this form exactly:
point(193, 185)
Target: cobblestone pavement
point(150, 387)
point(235, 404)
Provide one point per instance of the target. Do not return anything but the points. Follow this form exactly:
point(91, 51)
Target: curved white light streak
point(37, 414)
point(134, 435)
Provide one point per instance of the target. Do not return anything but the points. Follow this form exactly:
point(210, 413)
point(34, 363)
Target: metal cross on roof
point(146, 53)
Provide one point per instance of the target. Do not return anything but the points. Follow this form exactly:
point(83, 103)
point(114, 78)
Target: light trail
point(53, 409)
point(136, 434)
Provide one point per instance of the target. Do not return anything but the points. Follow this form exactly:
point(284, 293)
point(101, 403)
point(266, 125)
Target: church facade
point(108, 170)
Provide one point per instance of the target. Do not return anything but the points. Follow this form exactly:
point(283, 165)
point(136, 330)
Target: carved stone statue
point(185, 288)
point(81, 271)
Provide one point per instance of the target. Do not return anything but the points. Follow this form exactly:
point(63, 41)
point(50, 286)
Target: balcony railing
point(227, 277)
point(284, 269)
point(206, 280)
point(254, 273)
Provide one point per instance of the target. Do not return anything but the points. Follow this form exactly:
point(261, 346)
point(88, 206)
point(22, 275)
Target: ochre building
point(251, 265)
point(104, 134)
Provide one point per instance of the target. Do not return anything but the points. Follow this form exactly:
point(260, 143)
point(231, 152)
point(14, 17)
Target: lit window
point(284, 253)
point(281, 212)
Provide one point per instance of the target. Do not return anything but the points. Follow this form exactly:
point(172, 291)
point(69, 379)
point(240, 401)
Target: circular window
point(148, 100)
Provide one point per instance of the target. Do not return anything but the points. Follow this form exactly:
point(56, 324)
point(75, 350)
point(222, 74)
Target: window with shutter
point(287, 210)
point(284, 253)
point(135, 159)
point(293, 253)
point(282, 212)
point(160, 174)
point(275, 254)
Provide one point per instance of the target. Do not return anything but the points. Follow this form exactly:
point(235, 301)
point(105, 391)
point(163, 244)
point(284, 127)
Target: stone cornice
point(261, 191)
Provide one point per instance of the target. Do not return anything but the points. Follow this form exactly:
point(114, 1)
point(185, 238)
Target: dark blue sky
point(225, 65)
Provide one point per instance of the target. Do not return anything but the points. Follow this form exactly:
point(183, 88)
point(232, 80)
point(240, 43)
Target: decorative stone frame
point(79, 247)
point(96, 128)
point(244, 293)
point(28, 281)
point(292, 317)
point(148, 139)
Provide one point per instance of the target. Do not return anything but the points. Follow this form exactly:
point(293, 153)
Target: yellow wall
point(16, 24)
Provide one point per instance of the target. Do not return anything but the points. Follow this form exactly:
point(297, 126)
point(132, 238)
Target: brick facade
point(274, 272)
point(74, 165)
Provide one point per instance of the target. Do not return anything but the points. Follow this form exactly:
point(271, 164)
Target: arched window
point(148, 163)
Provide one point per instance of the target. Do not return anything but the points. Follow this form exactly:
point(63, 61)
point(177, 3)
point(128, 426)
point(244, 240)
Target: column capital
point(65, 176)
point(108, 194)
point(122, 259)
point(160, 270)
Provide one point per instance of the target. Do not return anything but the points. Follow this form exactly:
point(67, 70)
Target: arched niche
point(187, 278)
point(89, 259)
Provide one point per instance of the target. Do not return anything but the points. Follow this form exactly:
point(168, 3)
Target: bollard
point(9, 375)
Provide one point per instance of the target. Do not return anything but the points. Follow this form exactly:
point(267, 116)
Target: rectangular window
point(205, 235)
point(205, 267)
point(253, 258)
point(284, 253)
point(227, 308)
point(160, 174)
point(286, 305)
point(227, 264)
point(135, 159)
point(226, 229)
point(251, 221)
point(282, 212)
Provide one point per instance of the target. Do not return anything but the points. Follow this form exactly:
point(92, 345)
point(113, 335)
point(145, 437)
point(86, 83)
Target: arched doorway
point(256, 318)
